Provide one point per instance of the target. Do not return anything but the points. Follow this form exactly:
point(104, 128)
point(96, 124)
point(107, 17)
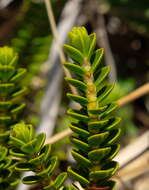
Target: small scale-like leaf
point(97, 59)
point(81, 159)
point(96, 140)
point(114, 150)
point(20, 92)
point(29, 147)
point(46, 150)
point(16, 142)
point(37, 160)
point(17, 153)
point(105, 172)
point(5, 105)
point(60, 180)
point(77, 115)
point(113, 123)
point(20, 73)
point(52, 164)
point(83, 181)
point(79, 131)
point(114, 136)
point(92, 44)
point(98, 154)
point(96, 126)
point(74, 53)
point(76, 83)
point(39, 142)
point(80, 145)
point(98, 111)
point(29, 180)
point(17, 109)
point(23, 167)
point(75, 68)
point(5, 119)
point(103, 73)
point(79, 99)
point(6, 88)
point(110, 108)
point(3, 152)
point(106, 91)
point(6, 72)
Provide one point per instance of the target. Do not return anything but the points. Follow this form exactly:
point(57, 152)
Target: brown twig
point(59, 45)
point(134, 95)
point(121, 102)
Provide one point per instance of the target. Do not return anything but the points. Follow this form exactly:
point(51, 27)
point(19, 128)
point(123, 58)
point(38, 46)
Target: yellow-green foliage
point(96, 132)
point(10, 91)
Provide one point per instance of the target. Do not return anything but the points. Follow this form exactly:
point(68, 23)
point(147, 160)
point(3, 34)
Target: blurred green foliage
point(135, 13)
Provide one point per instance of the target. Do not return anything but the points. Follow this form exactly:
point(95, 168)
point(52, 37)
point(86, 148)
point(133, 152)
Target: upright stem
point(91, 88)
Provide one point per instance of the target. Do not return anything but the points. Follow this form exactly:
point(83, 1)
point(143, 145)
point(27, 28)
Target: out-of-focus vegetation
point(24, 25)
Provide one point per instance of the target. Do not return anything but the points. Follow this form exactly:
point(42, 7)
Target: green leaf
point(76, 83)
point(83, 181)
point(7, 56)
point(16, 142)
point(79, 131)
point(96, 126)
point(96, 140)
point(81, 159)
point(23, 167)
point(98, 154)
point(5, 105)
point(29, 147)
point(3, 152)
point(103, 73)
point(37, 160)
point(113, 123)
point(60, 180)
point(75, 68)
point(52, 164)
point(77, 115)
point(17, 109)
point(114, 136)
point(97, 59)
point(46, 150)
point(80, 145)
point(20, 92)
point(92, 44)
point(114, 150)
point(97, 111)
point(5, 119)
point(29, 180)
point(105, 92)
point(40, 140)
point(17, 153)
point(74, 53)
point(6, 72)
point(20, 73)
point(6, 88)
point(79, 99)
point(106, 172)
point(110, 108)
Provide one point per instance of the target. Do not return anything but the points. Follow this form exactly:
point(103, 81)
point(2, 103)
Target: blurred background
point(122, 28)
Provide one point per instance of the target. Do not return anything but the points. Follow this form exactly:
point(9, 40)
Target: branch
point(134, 95)
point(121, 102)
point(59, 45)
